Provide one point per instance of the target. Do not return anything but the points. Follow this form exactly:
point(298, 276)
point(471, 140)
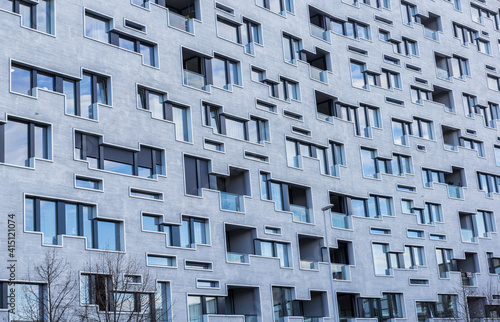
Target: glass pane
point(199, 232)
point(29, 219)
point(357, 75)
point(16, 143)
point(156, 105)
point(45, 81)
point(20, 80)
point(118, 167)
point(48, 222)
point(233, 72)
point(266, 249)
point(96, 28)
point(368, 160)
point(227, 31)
point(185, 234)
point(150, 223)
point(195, 309)
point(385, 206)
point(102, 95)
point(282, 253)
point(147, 52)
point(276, 195)
point(235, 129)
point(43, 16)
point(86, 96)
point(379, 259)
point(181, 123)
point(87, 215)
point(6, 4)
point(41, 142)
point(26, 300)
point(25, 12)
point(69, 92)
point(107, 237)
point(219, 72)
point(291, 153)
point(358, 206)
point(71, 214)
point(372, 208)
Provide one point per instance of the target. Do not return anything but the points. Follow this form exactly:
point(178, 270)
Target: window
point(390, 306)
point(493, 82)
point(489, 183)
point(39, 16)
point(251, 34)
point(497, 154)
point(282, 303)
point(414, 256)
point(443, 67)
point(254, 130)
point(409, 12)
point(296, 150)
point(470, 105)
point(465, 34)
point(390, 79)
point(290, 89)
point(98, 27)
point(146, 163)
point(370, 163)
point(228, 30)
point(418, 95)
point(430, 215)
point(473, 145)
point(410, 47)
point(93, 88)
point(274, 249)
point(160, 260)
point(400, 165)
point(361, 78)
point(191, 232)
point(493, 264)
point(412, 233)
point(431, 176)
point(460, 67)
point(88, 183)
point(373, 207)
point(165, 110)
point(292, 49)
point(446, 307)
point(483, 46)
point(225, 72)
point(384, 35)
point(423, 129)
point(401, 131)
point(24, 141)
point(351, 28)
point(29, 299)
point(384, 260)
point(55, 218)
point(476, 225)
point(445, 262)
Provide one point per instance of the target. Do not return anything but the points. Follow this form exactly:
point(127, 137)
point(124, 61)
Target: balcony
point(431, 34)
point(300, 213)
point(444, 74)
point(340, 220)
point(178, 21)
point(455, 192)
point(319, 32)
point(195, 80)
point(309, 265)
point(318, 74)
point(237, 258)
point(341, 272)
point(231, 202)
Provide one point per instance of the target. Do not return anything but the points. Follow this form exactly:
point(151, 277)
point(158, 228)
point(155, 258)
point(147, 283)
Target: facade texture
point(264, 160)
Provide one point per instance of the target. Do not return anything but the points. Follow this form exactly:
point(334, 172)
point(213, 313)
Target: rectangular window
point(423, 129)
point(273, 249)
point(225, 72)
point(36, 15)
point(292, 49)
point(250, 34)
point(369, 163)
point(289, 89)
point(414, 256)
point(158, 260)
point(493, 82)
point(380, 259)
point(23, 142)
point(410, 47)
point(488, 182)
point(358, 75)
point(390, 79)
point(228, 30)
point(401, 131)
point(97, 27)
point(88, 183)
point(460, 67)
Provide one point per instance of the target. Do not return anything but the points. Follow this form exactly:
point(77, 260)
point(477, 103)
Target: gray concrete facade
point(68, 52)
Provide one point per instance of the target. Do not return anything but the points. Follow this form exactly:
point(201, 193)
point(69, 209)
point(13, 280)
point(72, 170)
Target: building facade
point(265, 160)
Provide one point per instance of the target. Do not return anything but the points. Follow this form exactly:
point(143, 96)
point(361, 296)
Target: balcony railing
point(451, 147)
point(468, 279)
point(468, 235)
point(308, 265)
point(195, 80)
point(431, 34)
point(237, 258)
point(300, 213)
point(320, 32)
point(180, 22)
point(341, 220)
point(341, 272)
point(318, 74)
point(231, 201)
point(312, 319)
point(444, 74)
point(455, 191)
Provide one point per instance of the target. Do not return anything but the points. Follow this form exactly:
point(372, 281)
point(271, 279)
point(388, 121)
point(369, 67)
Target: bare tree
point(56, 298)
point(117, 287)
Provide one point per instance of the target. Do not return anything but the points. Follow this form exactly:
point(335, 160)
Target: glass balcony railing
point(312, 319)
point(251, 318)
point(444, 74)
point(237, 258)
point(468, 279)
point(455, 191)
point(180, 22)
point(341, 220)
point(431, 34)
point(341, 272)
point(231, 201)
point(308, 265)
point(195, 80)
point(468, 235)
point(318, 74)
point(300, 213)
point(320, 32)
point(451, 147)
